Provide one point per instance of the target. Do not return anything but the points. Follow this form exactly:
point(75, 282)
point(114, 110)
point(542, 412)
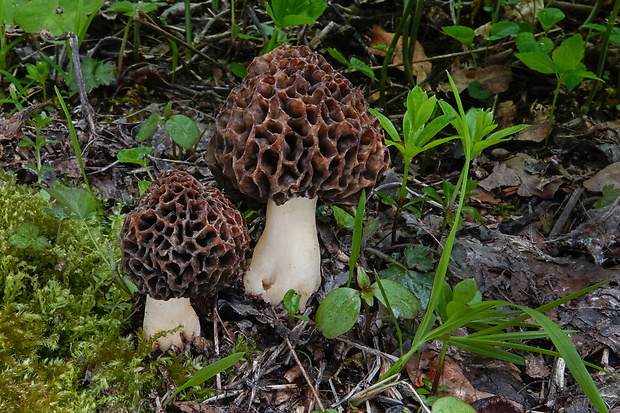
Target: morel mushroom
point(295, 130)
point(183, 240)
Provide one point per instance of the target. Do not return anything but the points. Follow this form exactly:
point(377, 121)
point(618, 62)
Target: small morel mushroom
point(183, 240)
point(295, 130)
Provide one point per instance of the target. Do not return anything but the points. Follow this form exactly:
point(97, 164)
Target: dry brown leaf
point(494, 78)
point(378, 36)
point(609, 175)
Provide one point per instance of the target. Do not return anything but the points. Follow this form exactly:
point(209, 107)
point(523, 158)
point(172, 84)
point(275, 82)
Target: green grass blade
point(571, 357)
point(207, 372)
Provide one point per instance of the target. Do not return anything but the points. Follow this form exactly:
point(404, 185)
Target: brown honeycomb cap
point(183, 239)
point(295, 127)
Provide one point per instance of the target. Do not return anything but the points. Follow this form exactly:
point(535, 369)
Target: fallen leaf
point(378, 36)
point(494, 78)
point(609, 175)
point(532, 133)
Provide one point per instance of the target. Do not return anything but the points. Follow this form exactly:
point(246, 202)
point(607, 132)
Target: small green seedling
point(565, 63)
point(353, 64)
point(291, 302)
point(40, 120)
point(39, 72)
point(140, 156)
point(26, 235)
point(609, 195)
point(182, 130)
point(131, 10)
point(288, 13)
point(421, 125)
point(449, 196)
point(340, 309)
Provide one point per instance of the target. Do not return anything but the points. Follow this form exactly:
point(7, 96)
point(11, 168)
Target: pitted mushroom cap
point(183, 239)
point(295, 127)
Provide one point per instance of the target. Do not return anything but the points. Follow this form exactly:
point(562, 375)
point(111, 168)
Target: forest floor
point(543, 233)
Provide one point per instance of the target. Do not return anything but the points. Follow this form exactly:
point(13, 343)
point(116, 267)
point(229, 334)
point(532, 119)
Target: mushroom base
point(167, 315)
point(287, 255)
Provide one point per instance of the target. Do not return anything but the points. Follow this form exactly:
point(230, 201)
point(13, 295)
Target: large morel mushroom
point(183, 240)
point(294, 131)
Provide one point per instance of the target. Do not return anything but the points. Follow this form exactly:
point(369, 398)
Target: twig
point(305, 374)
point(561, 221)
point(87, 110)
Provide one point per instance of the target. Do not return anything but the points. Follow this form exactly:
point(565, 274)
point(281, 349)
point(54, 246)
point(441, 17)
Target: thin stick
point(303, 371)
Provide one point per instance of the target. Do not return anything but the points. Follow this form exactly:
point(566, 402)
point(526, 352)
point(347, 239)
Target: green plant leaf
point(183, 131)
point(569, 53)
point(238, 69)
point(449, 404)
point(148, 128)
point(362, 278)
point(526, 42)
point(609, 195)
point(538, 61)
point(549, 17)
point(80, 202)
point(96, 73)
point(26, 235)
point(463, 34)
point(135, 155)
point(358, 230)
point(363, 68)
point(338, 312)
point(503, 29)
point(465, 291)
point(207, 372)
point(387, 125)
point(342, 217)
point(403, 303)
point(419, 284)
point(57, 16)
point(338, 56)
point(285, 13)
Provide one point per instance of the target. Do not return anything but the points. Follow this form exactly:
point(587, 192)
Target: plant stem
point(402, 196)
point(611, 20)
point(391, 48)
point(552, 111)
point(188, 28)
point(119, 66)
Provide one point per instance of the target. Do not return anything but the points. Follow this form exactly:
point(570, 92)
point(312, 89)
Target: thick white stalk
point(287, 255)
point(167, 315)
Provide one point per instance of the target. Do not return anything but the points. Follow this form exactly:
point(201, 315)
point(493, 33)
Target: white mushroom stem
point(287, 255)
point(167, 315)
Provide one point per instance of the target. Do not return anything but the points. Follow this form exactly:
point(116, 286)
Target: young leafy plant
point(287, 13)
point(565, 63)
point(40, 120)
point(291, 302)
point(182, 130)
point(39, 72)
point(462, 306)
point(26, 235)
point(340, 309)
point(420, 128)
